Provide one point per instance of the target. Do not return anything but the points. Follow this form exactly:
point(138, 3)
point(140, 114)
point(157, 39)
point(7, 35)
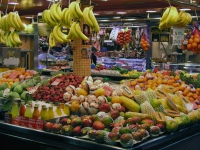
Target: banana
point(19, 21)
point(2, 23)
point(8, 42)
point(72, 10)
point(15, 22)
point(0, 19)
point(93, 19)
point(55, 12)
point(61, 35)
point(16, 38)
point(78, 11)
point(52, 41)
point(81, 35)
point(75, 34)
point(165, 14)
point(6, 25)
point(13, 43)
point(86, 17)
point(43, 16)
point(49, 19)
point(66, 18)
point(56, 36)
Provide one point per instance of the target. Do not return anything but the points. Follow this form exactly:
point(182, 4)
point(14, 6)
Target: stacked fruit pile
point(144, 44)
point(58, 18)
point(120, 38)
point(123, 114)
point(192, 42)
point(9, 25)
point(13, 76)
point(171, 17)
point(54, 89)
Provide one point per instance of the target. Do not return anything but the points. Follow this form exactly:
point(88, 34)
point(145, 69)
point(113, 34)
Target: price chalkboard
point(178, 36)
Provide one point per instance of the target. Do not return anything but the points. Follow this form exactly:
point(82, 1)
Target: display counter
point(25, 138)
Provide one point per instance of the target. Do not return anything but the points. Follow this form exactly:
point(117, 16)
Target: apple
point(86, 122)
point(113, 136)
point(98, 125)
point(143, 132)
point(162, 127)
point(65, 121)
point(137, 136)
point(48, 126)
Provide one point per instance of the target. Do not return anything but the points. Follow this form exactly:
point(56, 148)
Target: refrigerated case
point(130, 64)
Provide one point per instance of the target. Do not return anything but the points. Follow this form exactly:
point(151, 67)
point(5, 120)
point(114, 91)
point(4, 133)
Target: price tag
point(39, 124)
point(13, 76)
point(17, 120)
point(5, 92)
point(31, 123)
point(8, 118)
point(108, 90)
point(167, 66)
point(31, 90)
point(56, 82)
point(24, 121)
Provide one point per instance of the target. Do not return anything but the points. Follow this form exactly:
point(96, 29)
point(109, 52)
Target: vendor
point(44, 55)
point(93, 56)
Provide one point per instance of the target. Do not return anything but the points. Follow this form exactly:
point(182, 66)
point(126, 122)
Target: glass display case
point(130, 64)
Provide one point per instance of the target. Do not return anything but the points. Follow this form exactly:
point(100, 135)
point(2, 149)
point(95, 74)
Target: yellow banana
point(63, 20)
point(55, 35)
point(12, 40)
point(66, 18)
point(49, 18)
point(86, 17)
point(0, 19)
point(16, 38)
point(93, 19)
point(81, 35)
point(78, 11)
point(55, 12)
point(43, 16)
point(72, 10)
point(165, 14)
point(60, 34)
point(15, 22)
point(2, 23)
point(7, 27)
point(19, 22)
point(52, 41)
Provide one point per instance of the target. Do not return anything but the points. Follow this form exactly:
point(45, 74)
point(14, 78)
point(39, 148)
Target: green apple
point(180, 122)
point(186, 119)
point(171, 126)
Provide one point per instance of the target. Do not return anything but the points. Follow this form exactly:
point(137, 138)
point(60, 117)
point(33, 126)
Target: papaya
point(169, 89)
point(130, 104)
point(159, 117)
point(172, 113)
point(161, 94)
point(132, 114)
point(181, 109)
point(171, 104)
point(126, 91)
point(184, 99)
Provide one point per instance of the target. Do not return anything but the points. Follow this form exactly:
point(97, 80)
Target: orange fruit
point(189, 46)
point(145, 49)
point(148, 86)
point(176, 77)
point(191, 99)
point(153, 87)
point(189, 94)
point(182, 47)
point(185, 92)
point(196, 36)
point(140, 80)
point(133, 83)
point(192, 37)
point(198, 47)
point(141, 85)
point(190, 41)
point(194, 45)
point(164, 81)
point(196, 40)
point(176, 84)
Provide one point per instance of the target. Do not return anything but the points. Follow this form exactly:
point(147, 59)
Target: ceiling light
point(28, 17)
point(13, 3)
point(130, 19)
point(103, 20)
point(121, 12)
point(195, 16)
point(104, 0)
point(96, 14)
point(151, 11)
point(185, 9)
point(116, 17)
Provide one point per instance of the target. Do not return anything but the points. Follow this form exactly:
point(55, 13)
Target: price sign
point(108, 90)
point(39, 124)
point(178, 36)
point(17, 120)
point(8, 118)
point(31, 123)
point(24, 121)
point(13, 76)
point(56, 82)
point(32, 89)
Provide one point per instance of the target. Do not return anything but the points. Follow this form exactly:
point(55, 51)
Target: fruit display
point(58, 18)
point(194, 80)
point(54, 89)
point(127, 35)
point(169, 18)
point(192, 41)
point(120, 38)
point(109, 113)
point(183, 19)
point(13, 76)
point(144, 44)
point(132, 73)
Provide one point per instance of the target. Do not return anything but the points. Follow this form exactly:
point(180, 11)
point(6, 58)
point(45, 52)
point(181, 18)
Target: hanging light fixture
point(14, 2)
